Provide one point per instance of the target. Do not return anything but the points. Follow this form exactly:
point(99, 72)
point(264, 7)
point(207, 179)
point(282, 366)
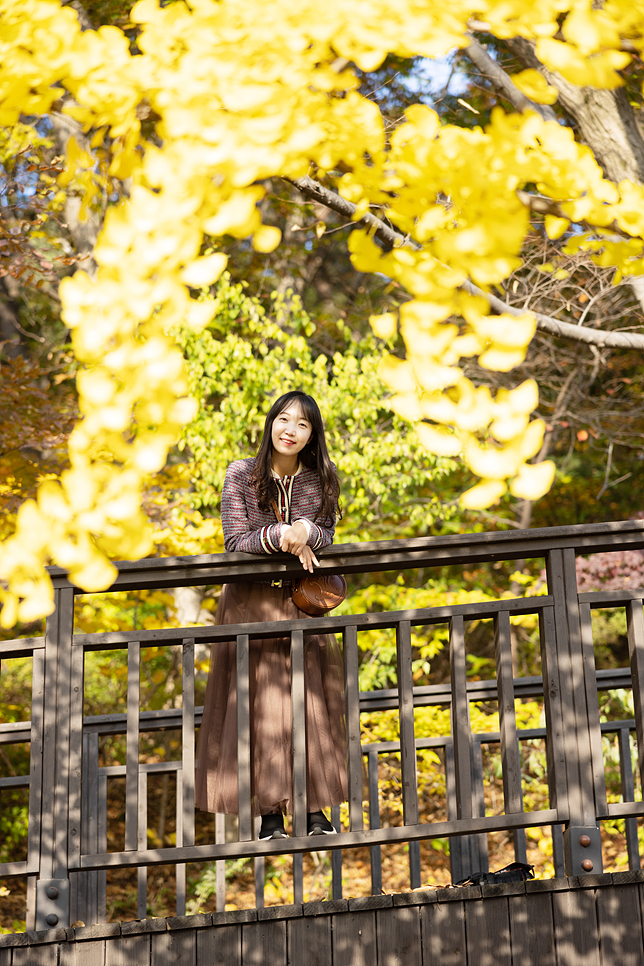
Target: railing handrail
point(373, 556)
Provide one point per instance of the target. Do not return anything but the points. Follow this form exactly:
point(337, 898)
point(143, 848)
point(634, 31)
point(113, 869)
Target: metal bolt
point(51, 919)
point(587, 865)
point(51, 892)
point(584, 841)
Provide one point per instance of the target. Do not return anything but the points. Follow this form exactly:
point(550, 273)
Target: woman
point(284, 499)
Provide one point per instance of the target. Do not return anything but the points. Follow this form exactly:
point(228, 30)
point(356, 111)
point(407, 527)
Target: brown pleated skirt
point(270, 712)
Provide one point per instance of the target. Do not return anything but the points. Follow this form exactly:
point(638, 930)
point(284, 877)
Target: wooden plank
point(352, 712)
point(460, 715)
point(532, 930)
point(443, 934)
point(620, 926)
point(635, 630)
point(128, 950)
point(220, 866)
point(592, 706)
point(188, 743)
point(488, 933)
point(61, 749)
point(102, 847)
point(309, 941)
point(344, 840)
point(576, 932)
point(298, 878)
point(555, 754)
point(76, 759)
point(180, 868)
point(628, 794)
point(511, 762)
point(408, 762)
point(81, 954)
point(398, 931)
point(336, 857)
point(354, 939)
point(219, 946)
point(263, 942)
point(36, 761)
point(132, 748)
point(176, 948)
point(142, 872)
point(245, 813)
point(477, 844)
point(374, 821)
point(298, 741)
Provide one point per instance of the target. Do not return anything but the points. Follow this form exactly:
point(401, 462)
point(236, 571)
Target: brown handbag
point(314, 595)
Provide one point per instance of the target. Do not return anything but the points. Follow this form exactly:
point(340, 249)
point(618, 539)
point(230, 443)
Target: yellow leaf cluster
point(242, 91)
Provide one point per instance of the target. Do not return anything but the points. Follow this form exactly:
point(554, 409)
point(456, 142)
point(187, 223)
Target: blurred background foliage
point(298, 318)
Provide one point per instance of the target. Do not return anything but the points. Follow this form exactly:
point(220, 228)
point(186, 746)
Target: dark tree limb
point(490, 68)
point(394, 239)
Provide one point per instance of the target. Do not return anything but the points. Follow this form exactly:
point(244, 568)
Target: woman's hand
point(294, 541)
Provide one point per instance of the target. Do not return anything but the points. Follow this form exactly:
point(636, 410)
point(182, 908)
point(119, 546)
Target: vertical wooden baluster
point(592, 704)
point(628, 795)
point(186, 777)
point(461, 730)
point(102, 846)
point(180, 868)
point(298, 732)
point(510, 755)
point(260, 870)
point(336, 857)
point(555, 756)
point(243, 740)
point(408, 743)
point(142, 843)
point(35, 770)
point(352, 704)
point(75, 820)
point(220, 864)
point(479, 855)
point(374, 822)
point(635, 629)
point(132, 780)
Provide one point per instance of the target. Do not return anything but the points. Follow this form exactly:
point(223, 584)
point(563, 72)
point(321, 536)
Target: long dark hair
point(315, 456)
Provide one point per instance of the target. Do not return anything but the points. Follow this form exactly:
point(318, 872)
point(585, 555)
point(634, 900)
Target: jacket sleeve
point(321, 536)
point(239, 534)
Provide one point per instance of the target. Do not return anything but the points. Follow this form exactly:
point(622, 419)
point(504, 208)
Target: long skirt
point(270, 712)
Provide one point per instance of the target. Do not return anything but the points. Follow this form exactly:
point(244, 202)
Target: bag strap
point(276, 511)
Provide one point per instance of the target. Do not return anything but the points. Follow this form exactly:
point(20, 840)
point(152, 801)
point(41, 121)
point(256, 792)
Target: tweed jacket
point(249, 529)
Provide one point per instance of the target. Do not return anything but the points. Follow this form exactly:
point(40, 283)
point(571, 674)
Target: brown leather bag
point(316, 595)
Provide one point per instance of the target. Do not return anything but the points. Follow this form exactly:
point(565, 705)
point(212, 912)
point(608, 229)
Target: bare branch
point(394, 239)
point(490, 68)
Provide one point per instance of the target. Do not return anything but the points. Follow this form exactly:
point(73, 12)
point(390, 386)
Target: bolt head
point(584, 841)
point(51, 892)
point(587, 865)
point(51, 919)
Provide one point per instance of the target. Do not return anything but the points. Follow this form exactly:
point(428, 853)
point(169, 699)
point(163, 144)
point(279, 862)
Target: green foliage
point(247, 357)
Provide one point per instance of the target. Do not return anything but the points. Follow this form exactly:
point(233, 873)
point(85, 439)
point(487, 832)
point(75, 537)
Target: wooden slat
point(132, 748)
point(176, 948)
point(532, 930)
point(461, 732)
point(555, 756)
point(102, 846)
point(620, 926)
point(264, 942)
point(298, 726)
point(60, 751)
point(374, 821)
point(635, 630)
point(259, 864)
point(628, 794)
point(352, 706)
point(220, 946)
point(345, 840)
point(76, 758)
point(354, 939)
point(180, 868)
point(511, 762)
point(408, 763)
point(142, 841)
point(298, 878)
point(576, 934)
point(309, 941)
point(36, 760)
point(336, 857)
point(458, 853)
point(477, 844)
point(592, 710)
point(188, 742)
point(243, 739)
point(220, 865)
point(399, 936)
point(488, 933)
point(443, 932)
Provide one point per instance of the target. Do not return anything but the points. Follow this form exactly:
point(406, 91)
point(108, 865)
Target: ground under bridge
point(67, 861)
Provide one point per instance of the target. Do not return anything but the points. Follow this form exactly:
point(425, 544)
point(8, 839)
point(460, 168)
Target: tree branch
point(394, 239)
point(490, 68)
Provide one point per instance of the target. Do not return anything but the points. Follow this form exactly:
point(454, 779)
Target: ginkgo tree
point(202, 102)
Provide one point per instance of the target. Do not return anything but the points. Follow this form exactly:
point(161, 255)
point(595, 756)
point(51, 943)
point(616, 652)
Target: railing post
point(52, 888)
point(582, 840)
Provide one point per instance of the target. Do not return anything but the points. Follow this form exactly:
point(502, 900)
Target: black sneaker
point(272, 827)
point(318, 824)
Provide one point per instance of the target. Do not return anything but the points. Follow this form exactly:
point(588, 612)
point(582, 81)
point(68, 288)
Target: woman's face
point(291, 431)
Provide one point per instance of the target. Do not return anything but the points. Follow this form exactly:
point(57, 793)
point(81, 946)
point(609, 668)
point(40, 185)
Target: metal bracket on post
point(52, 903)
point(582, 850)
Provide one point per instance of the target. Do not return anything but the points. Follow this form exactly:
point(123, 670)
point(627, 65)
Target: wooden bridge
point(67, 855)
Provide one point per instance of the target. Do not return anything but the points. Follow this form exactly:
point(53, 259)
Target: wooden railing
point(68, 789)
